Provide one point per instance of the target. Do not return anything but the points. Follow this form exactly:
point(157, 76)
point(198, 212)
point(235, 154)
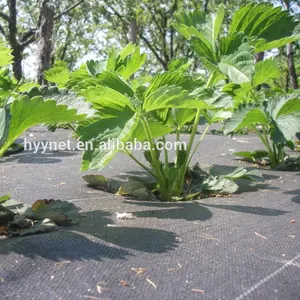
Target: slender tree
point(12, 25)
point(290, 56)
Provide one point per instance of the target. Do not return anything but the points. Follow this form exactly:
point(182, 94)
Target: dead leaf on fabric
point(138, 270)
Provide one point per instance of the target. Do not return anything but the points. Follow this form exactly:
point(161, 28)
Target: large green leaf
point(128, 61)
point(286, 114)
point(132, 64)
point(197, 23)
point(103, 96)
point(92, 128)
point(202, 31)
point(238, 66)
point(126, 51)
point(264, 22)
point(181, 117)
point(217, 21)
point(264, 71)
point(113, 81)
point(58, 74)
point(26, 112)
point(157, 129)
point(205, 51)
point(246, 116)
point(187, 23)
point(81, 79)
point(70, 99)
point(172, 97)
point(106, 144)
point(179, 64)
point(262, 45)
point(176, 78)
point(94, 67)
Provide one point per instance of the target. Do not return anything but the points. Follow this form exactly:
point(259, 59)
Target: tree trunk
point(133, 31)
point(205, 6)
point(45, 43)
point(291, 65)
point(259, 56)
point(12, 38)
point(17, 63)
point(290, 56)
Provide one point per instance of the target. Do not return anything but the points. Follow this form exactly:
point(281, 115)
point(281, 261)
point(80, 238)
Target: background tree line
point(53, 30)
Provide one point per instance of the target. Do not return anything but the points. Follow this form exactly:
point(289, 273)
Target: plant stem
point(197, 118)
point(273, 158)
point(264, 139)
point(177, 140)
point(191, 140)
point(139, 163)
point(166, 154)
point(196, 147)
point(2, 151)
point(156, 163)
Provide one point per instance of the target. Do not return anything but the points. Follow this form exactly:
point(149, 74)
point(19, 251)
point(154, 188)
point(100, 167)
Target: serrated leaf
point(271, 25)
point(58, 74)
point(27, 87)
point(94, 127)
point(239, 66)
point(263, 20)
point(133, 64)
point(217, 21)
point(252, 156)
point(172, 97)
point(104, 96)
point(26, 112)
point(285, 112)
point(175, 78)
point(107, 144)
point(126, 51)
point(157, 129)
point(73, 101)
point(80, 79)
point(264, 71)
point(179, 64)
point(187, 23)
point(220, 185)
point(244, 117)
point(113, 81)
point(181, 117)
point(94, 67)
point(262, 45)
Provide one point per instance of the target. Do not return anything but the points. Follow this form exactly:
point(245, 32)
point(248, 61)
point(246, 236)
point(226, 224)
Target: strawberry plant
point(146, 110)
point(134, 107)
point(230, 56)
point(279, 118)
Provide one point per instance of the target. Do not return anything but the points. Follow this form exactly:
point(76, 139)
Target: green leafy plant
point(130, 108)
point(279, 118)
point(254, 28)
point(19, 110)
